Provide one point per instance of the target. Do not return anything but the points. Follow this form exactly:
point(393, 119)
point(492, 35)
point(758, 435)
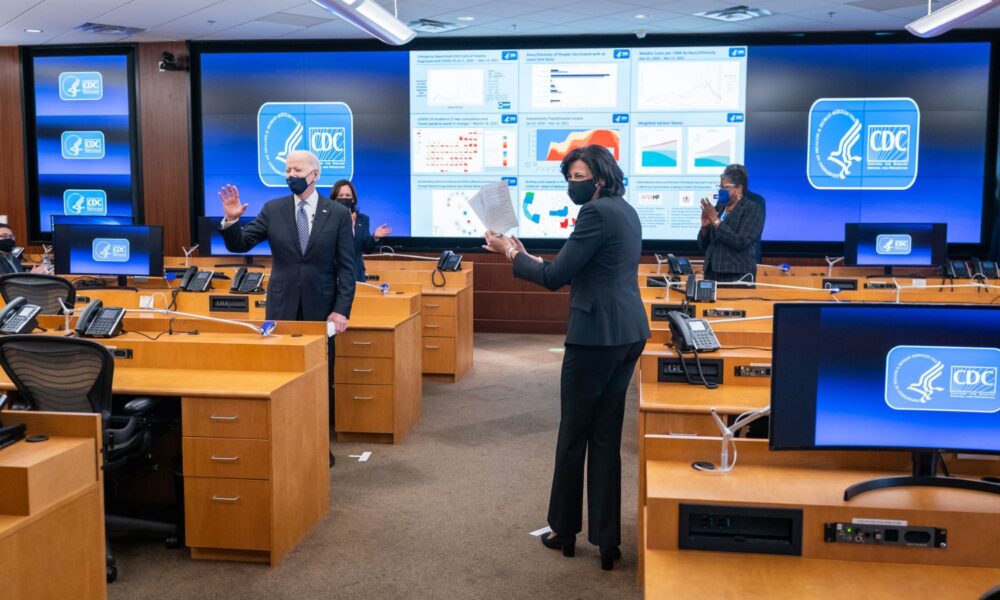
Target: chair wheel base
point(111, 574)
point(173, 542)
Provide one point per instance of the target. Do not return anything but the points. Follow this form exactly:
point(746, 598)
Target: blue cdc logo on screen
point(110, 250)
point(896, 244)
point(81, 85)
point(324, 128)
point(863, 143)
point(77, 145)
point(88, 203)
point(942, 378)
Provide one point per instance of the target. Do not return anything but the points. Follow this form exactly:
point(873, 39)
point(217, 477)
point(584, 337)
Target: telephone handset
point(679, 266)
point(957, 269)
point(97, 321)
point(699, 291)
point(691, 335)
point(19, 316)
point(246, 282)
point(196, 281)
point(449, 261)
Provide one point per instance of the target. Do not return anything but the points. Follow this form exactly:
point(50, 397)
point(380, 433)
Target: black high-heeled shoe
point(554, 542)
point(609, 554)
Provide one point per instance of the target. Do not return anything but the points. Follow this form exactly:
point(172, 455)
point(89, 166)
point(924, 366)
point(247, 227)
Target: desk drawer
point(227, 513)
point(365, 343)
point(352, 369)
point(438, 355)
point(364, 408)
point(214, 417)
point(437, 306)
point(681, 423)
point(220, 457)
point(439, 326)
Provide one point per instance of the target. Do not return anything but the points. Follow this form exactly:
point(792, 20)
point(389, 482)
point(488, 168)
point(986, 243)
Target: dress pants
point(592, 395)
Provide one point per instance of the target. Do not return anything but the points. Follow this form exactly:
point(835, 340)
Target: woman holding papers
point(364, 241)
point(606, 333)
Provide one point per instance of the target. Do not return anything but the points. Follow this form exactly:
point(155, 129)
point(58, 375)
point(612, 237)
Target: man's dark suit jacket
point(601, 261)
point(732, 246)
point(6, 266)
point(322, 278)
point(364, 243)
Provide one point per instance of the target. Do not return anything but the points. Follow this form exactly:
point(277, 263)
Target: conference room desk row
point(964, 291)
point(254, 416)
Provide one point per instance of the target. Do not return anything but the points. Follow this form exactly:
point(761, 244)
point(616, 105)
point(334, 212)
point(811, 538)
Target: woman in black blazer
point(606, 333)
point(730, 231)
point(364, 241)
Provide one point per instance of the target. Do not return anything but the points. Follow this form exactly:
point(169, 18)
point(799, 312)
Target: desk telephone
point(196, 281)
point(679, 266)
point(97, 321)
point(957, 269)
point(691, 335)
point(985, 268)
point(699, 291)
point(246, 282)
point(19, 316)
point(449, 261)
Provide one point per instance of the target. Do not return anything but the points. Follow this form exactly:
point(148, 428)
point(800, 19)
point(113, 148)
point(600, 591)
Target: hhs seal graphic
point(110, 250)
point(899, 244)
point(90, 203)
point(81, 85)
point(941, 378)
point(324, 128)
point(863, 143)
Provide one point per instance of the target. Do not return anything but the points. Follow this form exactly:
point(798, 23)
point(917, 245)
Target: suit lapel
point(322, 214)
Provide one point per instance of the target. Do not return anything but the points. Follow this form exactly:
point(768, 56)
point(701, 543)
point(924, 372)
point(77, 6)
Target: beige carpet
point(445, 514)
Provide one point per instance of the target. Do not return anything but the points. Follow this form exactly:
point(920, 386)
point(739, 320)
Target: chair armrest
point(139, 406)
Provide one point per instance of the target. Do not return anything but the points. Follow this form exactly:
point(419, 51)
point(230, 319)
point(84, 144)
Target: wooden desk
point(52, 509)
point(254, 432)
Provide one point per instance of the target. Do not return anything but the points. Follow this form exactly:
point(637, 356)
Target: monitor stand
point(121, 283)
point(247, 262)
point(886, 272)
point(925, 466)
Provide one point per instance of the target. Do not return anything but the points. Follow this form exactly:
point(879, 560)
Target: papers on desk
point(493, 207)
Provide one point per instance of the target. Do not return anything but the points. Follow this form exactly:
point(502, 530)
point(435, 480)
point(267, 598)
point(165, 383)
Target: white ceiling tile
point(10, 9)
point(150, 13)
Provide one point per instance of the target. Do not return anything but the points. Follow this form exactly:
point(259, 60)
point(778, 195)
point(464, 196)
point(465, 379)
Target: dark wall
point(12, 201)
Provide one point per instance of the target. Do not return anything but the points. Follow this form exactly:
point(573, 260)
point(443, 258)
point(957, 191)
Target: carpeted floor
point(445, 514)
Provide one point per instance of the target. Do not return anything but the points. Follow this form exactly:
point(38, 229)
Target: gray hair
point(313, 161)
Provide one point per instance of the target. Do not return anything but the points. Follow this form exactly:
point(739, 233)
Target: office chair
point(42, 290)
point(65, 374)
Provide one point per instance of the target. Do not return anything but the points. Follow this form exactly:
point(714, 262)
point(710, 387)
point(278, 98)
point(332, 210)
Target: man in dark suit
point(9, 262)
point(312, 247)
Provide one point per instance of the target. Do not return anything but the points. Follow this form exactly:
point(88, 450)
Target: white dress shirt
point(312, 201)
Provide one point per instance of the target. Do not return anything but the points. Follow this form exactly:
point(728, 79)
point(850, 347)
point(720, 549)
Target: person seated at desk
point(364, 241)
point(8, 262)
point(730, 230)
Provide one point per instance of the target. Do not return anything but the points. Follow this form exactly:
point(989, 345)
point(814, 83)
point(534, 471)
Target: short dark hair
point(336, 190)
point(737, 175)
point(602, 164)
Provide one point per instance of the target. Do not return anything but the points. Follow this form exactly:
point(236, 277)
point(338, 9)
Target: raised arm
point(578, 249)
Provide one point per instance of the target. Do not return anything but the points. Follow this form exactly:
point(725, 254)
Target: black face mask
point(348, 204)
point(6, 245)
point(298, 185)
point(580, 192)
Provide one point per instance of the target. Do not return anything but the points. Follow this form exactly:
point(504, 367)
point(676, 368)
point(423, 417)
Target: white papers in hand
point(493, 207)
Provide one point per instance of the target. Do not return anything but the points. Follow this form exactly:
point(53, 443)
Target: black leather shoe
point(609, 554)
point(567, 544)
point(333, 461)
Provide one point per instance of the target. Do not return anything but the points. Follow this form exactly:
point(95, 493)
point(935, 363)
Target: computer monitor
point(85, 220)
point(910, 377)
point(210, 240)
point(119, 250)
point(895, 244)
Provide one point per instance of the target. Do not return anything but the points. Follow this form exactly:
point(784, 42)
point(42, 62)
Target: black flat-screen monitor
point(886, 377)
point(895, 244)
point(119, 250)
point(210, 240)
point(84, 220)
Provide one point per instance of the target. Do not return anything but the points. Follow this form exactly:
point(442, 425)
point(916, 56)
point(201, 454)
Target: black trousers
point(592, 388)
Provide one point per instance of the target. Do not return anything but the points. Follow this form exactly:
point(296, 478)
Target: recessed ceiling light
point(33, 31)
point(466, 18)
point(642, 16)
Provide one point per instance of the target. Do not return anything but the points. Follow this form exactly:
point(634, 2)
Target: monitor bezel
point(155, 254)
point(939, 248)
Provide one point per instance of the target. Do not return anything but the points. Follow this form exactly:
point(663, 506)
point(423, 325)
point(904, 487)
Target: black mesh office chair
point(42, 290)
point(73, 375)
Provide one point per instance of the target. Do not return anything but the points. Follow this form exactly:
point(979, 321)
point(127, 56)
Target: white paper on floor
point(363, 457)
point(541, 531)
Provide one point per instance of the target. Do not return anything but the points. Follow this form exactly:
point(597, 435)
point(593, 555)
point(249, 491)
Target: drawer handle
point(363, 370)
point(226, 459)
point(221, 418)
point(225, 499)
point(432, 326)
point(362, 343)
point(364, 397)
point(433, 305)
point(432, 347)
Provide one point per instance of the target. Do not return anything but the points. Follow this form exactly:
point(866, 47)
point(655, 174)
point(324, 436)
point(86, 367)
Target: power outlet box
point(658, 312)
point(724, 312)
point(880, 285)
point(885, 535)
point(844, 285)
point(753, 371)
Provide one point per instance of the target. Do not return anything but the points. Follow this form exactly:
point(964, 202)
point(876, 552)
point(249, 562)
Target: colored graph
point(547, 214)
point(711, 149)
point(451, 215)
point(658, 150)
point(555, 144)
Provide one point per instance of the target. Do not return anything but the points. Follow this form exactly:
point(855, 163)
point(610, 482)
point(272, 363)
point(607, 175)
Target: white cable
point(403, 255)
point(737, 319)
point(163, 311)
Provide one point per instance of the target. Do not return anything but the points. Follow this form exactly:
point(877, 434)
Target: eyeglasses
point(727, 186)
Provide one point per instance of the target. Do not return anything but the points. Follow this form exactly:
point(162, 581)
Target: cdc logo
point(110, 250)
point(77, 145)
point(894, 244)
point(939, 378)
point(88, 203)
point(863, 143)
point(81, 85)
point(323, 128)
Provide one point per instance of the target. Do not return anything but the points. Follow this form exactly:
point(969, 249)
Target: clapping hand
point(230, 197)
point(382, 231)
point(708, 213)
